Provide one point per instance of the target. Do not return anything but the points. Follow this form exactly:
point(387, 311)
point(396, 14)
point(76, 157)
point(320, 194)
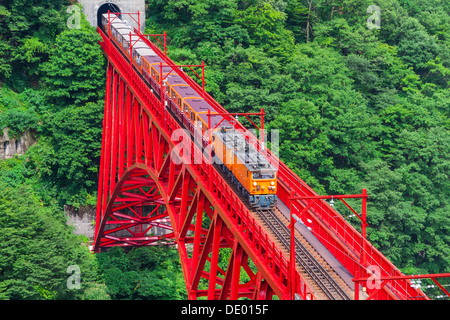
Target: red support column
point(122, 127)
point(214, 257)
point(363, 226)
point(197, 206)
point(107, 163)
point(156, 146)
point(203, 76)
point(357, 285)
point(165, 43)
point(172, 168)
point(236, 269)
point(147, 139)
point(130, 127)
point(102, 155)
point(262, 131)
point(161, 85)
point(184, 196)
point(138, 131)
point(292, 258)
point(139, 20)
point(114, 133)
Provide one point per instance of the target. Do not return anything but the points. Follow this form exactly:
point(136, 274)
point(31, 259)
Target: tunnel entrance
point(104, 9)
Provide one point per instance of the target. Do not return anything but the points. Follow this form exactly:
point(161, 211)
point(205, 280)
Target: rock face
point(10, 146)
point(82, 219)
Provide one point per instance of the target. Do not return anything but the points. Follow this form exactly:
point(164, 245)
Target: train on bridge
point(252, 174)
point(149, 98)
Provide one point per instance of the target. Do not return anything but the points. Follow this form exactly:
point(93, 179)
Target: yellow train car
point(172, 81)
point(152, 68)
point(182, 93)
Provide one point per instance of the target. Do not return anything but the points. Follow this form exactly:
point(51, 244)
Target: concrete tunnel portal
point(104, 8)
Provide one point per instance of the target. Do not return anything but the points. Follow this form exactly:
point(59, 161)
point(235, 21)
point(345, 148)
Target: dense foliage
point(152, 273)
point(356, 107)
point(38, 248)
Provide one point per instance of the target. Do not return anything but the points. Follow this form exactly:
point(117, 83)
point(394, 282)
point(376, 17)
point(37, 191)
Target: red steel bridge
point(151, 193)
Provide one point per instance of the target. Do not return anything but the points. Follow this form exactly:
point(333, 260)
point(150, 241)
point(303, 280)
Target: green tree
point(75, 71)
point(69, 152)
point(26, 34)
point(149, 273)
point(266, 27)
point(18, 121)
point(416, 46)
point(37, 249)
point(297, 17)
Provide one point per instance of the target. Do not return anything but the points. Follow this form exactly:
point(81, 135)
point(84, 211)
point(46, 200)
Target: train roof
point(244, 151)
point(215, 120)
point(116, 19)
point(186, 92)
point(200, 105)
point(112, 17)
point(145, 52)
point(175, 79)
point(124, 30)
point(119, 25)
point(139, 45)
point(137, 40)
point(155, 59)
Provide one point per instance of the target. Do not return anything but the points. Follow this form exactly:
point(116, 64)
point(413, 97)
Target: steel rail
point(323, 279)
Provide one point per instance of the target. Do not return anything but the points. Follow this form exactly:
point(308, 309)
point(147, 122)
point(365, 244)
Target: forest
point(361, 99)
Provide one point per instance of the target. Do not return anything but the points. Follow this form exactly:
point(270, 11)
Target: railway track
point(331, 289)
point(305, 259)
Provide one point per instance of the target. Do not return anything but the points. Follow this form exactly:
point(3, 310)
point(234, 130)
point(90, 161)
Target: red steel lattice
point(145, 182)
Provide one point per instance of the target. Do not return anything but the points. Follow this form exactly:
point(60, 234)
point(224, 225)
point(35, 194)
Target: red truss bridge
point(157, 190)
